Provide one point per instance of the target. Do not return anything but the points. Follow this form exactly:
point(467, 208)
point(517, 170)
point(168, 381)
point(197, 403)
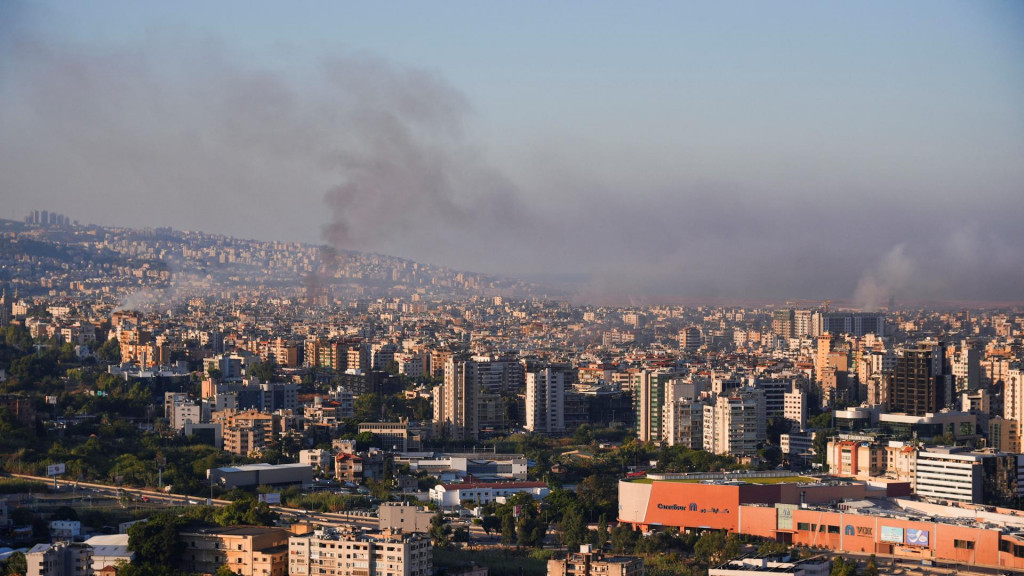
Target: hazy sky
point(719, 149)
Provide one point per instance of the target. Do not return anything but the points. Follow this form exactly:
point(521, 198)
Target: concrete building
point(465, 403)
point(588, 562)
point(348, 467)
point(795, 408)
point(343, 551)
point(1004, 435)
point(262, 474)
point(917, 385)
point(448, 495)
point(404, 517)
point(650, 394)
point(392, 436)
point(735, 424)
point(545, 399)
point(245, 550)
point(683, 423)
point(317, 459)
point(89, 558)
point(480, 465)
point(1013, 400)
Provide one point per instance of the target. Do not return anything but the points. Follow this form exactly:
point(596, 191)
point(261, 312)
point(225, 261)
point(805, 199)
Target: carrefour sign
point(892, 534)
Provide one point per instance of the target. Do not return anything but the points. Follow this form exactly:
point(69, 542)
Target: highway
point(158, 497)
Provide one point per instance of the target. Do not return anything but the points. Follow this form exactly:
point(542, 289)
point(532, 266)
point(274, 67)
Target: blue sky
point(736, 149)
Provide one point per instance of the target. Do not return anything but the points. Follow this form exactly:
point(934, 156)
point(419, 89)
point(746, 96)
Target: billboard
point(55, 469)
point(917, 537)
point(271, 498)
point(892, 534)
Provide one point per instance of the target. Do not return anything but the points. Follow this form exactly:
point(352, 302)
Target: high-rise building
point(735, 424)
point(782, 323)
point(803, 325)
point(545, 399)
point(917, 385)
point(1013, 400)
point(853, 323)
point(469, 399)
point(683, 423)
point(649, 398)
point(689, 339)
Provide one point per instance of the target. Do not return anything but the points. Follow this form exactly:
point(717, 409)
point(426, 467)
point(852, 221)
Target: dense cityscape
point(461, 288)
point(178, 402)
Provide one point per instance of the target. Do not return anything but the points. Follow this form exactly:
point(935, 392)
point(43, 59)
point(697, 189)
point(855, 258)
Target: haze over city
point(861, 151)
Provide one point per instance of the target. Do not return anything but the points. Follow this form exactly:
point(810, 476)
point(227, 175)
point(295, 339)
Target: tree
point(508, 529)
point(367, 407)
point(223, 570)
point(461, 534)
point(601, 534)
point(440, 531)
point(264, 371)
point(156, 540)
point(623, 539)
point(489, 523)
point(871, 569)
point(14, 564)
point(842, 567)
point(771, 548)
point(573, 528)
point(714, 547)
point(110, 351)
point(583, 435)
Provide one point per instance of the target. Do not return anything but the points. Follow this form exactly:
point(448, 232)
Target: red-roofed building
point(348, 467)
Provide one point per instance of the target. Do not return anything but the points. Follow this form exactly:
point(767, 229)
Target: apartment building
point(587, 562)
point(245, 550)
point(345, 551)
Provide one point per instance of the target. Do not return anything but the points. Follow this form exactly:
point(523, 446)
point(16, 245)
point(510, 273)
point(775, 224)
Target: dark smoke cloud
point(370, 155)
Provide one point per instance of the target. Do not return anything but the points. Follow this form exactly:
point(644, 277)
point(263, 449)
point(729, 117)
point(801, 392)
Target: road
point(157, 497)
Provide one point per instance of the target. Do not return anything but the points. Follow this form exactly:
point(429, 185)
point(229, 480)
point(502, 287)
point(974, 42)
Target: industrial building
point(262, 474)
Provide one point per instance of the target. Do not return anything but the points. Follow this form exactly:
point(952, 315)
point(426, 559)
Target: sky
point(648, 151)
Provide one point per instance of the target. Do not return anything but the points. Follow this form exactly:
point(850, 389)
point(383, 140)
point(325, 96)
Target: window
point(1005, 546)
point(833, 529)
point(964, 544)
point(803, 526)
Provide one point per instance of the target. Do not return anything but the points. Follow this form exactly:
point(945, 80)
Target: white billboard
point(55, 469)
point(271, 498)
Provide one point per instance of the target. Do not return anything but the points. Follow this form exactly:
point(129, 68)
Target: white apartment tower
point(735, 424)
point(545, 400)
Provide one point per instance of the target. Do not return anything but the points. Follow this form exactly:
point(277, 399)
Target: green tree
point(583, 435)
point(601, 534)
point(843, 567)
point(440, 531)
point(490, 523)
point(156, 540)
point(508, 529)
point(573, 528)
point(623, 539)
point(14, 564)
point(367, 407)
point(223, 570)
point(110, 351)
point(871, 569)
point(714, 547)
point(264, 371)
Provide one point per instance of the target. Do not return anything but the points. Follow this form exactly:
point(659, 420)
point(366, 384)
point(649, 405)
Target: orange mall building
point(812, 514)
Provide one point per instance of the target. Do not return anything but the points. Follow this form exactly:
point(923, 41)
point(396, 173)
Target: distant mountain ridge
point(74, 260)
